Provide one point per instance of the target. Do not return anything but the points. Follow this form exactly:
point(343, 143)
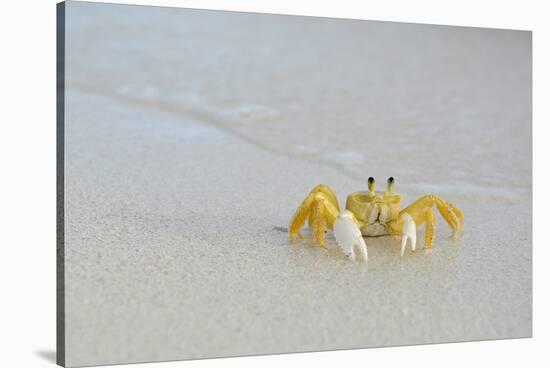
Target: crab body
point(370, 213)
point(375, 212)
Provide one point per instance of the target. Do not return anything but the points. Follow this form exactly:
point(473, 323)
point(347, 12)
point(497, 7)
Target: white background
point(27, 180)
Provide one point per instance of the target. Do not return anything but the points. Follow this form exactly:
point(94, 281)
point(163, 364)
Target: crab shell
point(377, 213)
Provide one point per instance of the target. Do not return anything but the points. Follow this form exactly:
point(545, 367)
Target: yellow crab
point(370, 213)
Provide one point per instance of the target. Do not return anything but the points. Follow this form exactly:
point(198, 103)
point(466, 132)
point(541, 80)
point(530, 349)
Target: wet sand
point(192, 136)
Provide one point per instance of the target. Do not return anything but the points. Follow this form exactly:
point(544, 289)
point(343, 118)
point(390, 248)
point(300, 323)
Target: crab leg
point(429, 230)
point(421, 212)
point(321, 207)
point(299, 217)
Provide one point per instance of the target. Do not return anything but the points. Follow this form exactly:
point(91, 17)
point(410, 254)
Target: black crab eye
point(371, 180)
point(391, 180)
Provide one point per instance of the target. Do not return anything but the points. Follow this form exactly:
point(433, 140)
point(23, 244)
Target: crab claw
point(408, 232)
point(348, 235)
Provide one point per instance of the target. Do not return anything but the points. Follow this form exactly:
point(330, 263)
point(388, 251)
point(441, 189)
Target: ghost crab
point(369, 214)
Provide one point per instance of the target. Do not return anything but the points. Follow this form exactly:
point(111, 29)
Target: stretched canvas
point(188, 139)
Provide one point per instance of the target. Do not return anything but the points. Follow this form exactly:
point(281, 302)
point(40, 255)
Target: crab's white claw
point(363, 248)
point(408, 232)
point(348, 235)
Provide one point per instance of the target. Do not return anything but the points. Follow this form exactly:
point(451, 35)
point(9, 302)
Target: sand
point(191, 137)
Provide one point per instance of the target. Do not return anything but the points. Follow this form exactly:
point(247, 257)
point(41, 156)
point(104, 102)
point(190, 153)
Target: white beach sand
point(191, 137)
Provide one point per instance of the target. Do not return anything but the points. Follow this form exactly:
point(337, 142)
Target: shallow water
point(191, 137)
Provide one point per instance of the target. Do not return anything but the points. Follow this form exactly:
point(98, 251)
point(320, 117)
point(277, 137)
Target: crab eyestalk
point(371, 185)
point(389, 188)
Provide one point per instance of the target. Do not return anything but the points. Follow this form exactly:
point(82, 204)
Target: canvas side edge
point(60, 184)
